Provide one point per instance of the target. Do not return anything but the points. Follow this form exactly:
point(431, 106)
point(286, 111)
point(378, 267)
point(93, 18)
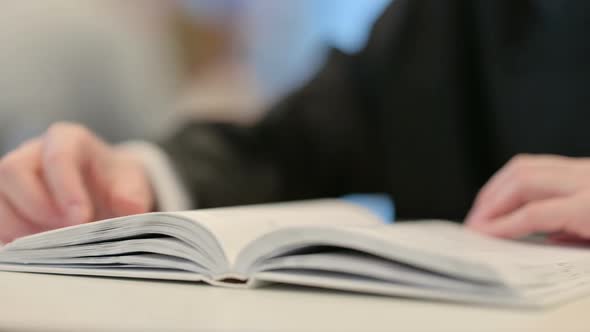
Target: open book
point(324, 243)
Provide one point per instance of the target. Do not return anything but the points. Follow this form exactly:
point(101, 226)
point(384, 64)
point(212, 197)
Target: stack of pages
point(325, 243)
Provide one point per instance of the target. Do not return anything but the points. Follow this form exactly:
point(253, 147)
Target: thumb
point(130, 188)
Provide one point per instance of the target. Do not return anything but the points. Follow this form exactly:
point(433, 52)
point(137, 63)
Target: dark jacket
point(444, 94)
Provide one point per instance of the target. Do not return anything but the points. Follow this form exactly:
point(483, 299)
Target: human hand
point(531, 194)
point(68, 177)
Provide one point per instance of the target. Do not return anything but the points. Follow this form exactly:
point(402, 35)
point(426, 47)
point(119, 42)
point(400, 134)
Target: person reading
point(451, 103)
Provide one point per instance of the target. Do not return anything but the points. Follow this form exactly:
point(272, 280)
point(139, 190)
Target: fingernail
point(474, 218)
point(488, 229)
point(128, 201)
point(469, 220)
point(76, 214)
point(133, 206)
point(477, 224)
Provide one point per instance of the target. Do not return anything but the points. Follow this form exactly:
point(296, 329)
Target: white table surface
point(31, 302)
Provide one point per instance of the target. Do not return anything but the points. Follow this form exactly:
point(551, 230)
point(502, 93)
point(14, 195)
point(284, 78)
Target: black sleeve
point(320, 142)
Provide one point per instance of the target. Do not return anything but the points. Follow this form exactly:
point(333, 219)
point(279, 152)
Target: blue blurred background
point(287, 41)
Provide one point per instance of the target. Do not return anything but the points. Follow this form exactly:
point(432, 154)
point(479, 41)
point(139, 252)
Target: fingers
point(130, 193)
point(12, 225)
point(570, 214)
point(90, 180)
point(23, 188)
point(67, 151)
point(68, 177)
point(517, 189)
point(524, 179)
point(567, 239)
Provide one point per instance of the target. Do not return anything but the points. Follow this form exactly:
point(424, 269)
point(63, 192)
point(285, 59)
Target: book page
point(237, 227)
point(375, 286)
point(436, 246)
point(537, 274)
point(519, 263)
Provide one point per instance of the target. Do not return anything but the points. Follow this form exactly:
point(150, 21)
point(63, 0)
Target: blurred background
point(135, 69)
